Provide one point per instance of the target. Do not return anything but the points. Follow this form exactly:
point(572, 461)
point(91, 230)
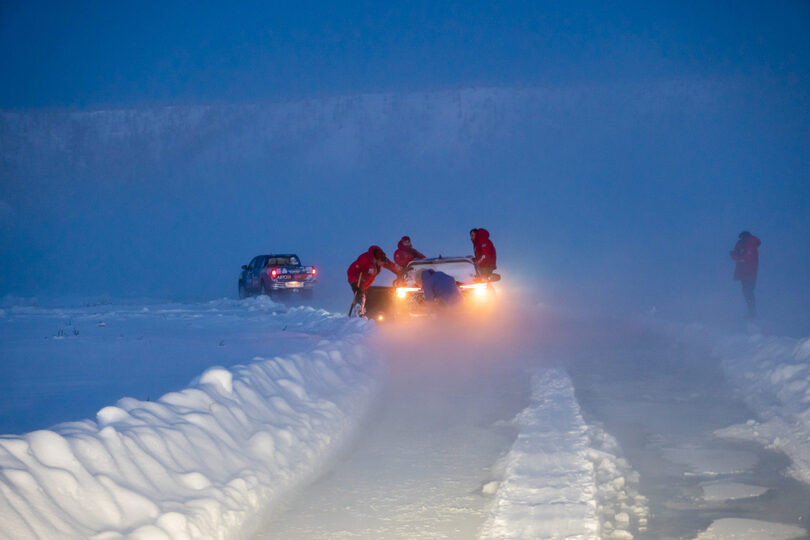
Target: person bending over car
point(363, 271)
point(484, 252)
point(405, 252)
point(438, 288)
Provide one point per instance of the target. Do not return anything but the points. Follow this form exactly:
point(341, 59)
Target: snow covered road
point(666, 398)
point(315, 426)
point(423, 467)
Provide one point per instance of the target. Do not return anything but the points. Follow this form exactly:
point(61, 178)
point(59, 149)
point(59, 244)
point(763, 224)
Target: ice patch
point(711, 462)
point(750, 529)
point(727, 491)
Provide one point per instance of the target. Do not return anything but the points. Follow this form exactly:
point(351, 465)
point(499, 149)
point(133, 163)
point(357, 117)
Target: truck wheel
point(242, 291)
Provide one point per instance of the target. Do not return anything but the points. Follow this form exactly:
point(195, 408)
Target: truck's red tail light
point(314, 271)
point(273, 273)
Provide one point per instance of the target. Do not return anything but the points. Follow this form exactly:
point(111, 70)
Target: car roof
point(440, 260)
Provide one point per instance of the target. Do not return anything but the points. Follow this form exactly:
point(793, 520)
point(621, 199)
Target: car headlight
point(402, 292)
point(479, 291)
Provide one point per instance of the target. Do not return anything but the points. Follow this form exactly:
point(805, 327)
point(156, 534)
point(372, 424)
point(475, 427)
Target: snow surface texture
point(750, 529)
point(197, 463)
point(562, 478)
point(773, 375)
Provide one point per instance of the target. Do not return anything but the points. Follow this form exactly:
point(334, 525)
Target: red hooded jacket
point(484, 250)
point(746, 255)
point(404, 254)
point(366, 269)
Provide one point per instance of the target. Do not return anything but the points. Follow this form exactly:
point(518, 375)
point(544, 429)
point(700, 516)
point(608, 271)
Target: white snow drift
point(197, 463)
point(773, 375)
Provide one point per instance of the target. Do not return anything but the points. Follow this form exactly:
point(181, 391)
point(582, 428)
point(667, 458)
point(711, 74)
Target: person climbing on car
point(405, 252)
point(438, 288)
point(746, 255)
point(364, 270)
point(484, 252)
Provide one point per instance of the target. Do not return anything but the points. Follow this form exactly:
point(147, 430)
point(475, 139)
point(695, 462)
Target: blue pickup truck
point(276, 274)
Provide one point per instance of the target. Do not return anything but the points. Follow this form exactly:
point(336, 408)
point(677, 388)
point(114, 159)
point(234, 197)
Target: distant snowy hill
point(343, 127)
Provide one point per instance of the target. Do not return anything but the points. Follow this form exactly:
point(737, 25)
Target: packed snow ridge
point(773, 374)
point(562, 477)
point(197, 463)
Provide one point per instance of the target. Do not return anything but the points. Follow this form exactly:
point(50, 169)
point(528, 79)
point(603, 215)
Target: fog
point(614, 173)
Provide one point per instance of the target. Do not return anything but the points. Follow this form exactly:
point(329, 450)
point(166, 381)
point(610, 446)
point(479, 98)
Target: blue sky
point(86, 54)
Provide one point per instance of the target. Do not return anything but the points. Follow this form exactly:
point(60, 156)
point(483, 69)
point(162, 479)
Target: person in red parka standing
point(746, 255)
point(364, 270)
point(405, 253)
point(484, 252)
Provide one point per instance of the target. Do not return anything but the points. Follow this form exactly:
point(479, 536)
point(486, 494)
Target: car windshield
point(283, 260)
point(462, 271)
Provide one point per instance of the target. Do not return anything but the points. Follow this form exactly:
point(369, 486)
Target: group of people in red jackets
point(365, 269)
point(368, 266)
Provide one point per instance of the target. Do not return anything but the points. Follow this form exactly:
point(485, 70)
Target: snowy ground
point(249, 419)
point(199, 461)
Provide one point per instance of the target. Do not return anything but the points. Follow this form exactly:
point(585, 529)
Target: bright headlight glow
point(403, 291)
point(479, 290)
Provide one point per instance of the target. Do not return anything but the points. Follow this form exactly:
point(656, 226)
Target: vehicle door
point(255, 273)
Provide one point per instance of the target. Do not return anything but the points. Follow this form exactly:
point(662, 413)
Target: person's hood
point(752, 241)
point(372, 249)
point(401, 244)
point(481, 235)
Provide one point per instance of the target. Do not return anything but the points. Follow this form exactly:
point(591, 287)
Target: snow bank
point(195, 463)
point(773, 375)
point(562, 478)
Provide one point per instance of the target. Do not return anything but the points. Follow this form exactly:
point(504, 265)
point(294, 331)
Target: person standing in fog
point(746, 255)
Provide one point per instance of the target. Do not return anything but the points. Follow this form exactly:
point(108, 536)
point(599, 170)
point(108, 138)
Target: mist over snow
point(611, 195)
point(608, 386)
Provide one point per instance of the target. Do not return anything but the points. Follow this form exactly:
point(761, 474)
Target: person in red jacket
point(746, 255)
point(484, 252)
point(363, 271)
point(405, 253)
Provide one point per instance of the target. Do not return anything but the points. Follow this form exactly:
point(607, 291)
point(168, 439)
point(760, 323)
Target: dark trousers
point(359, 297)
point(748, 294)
